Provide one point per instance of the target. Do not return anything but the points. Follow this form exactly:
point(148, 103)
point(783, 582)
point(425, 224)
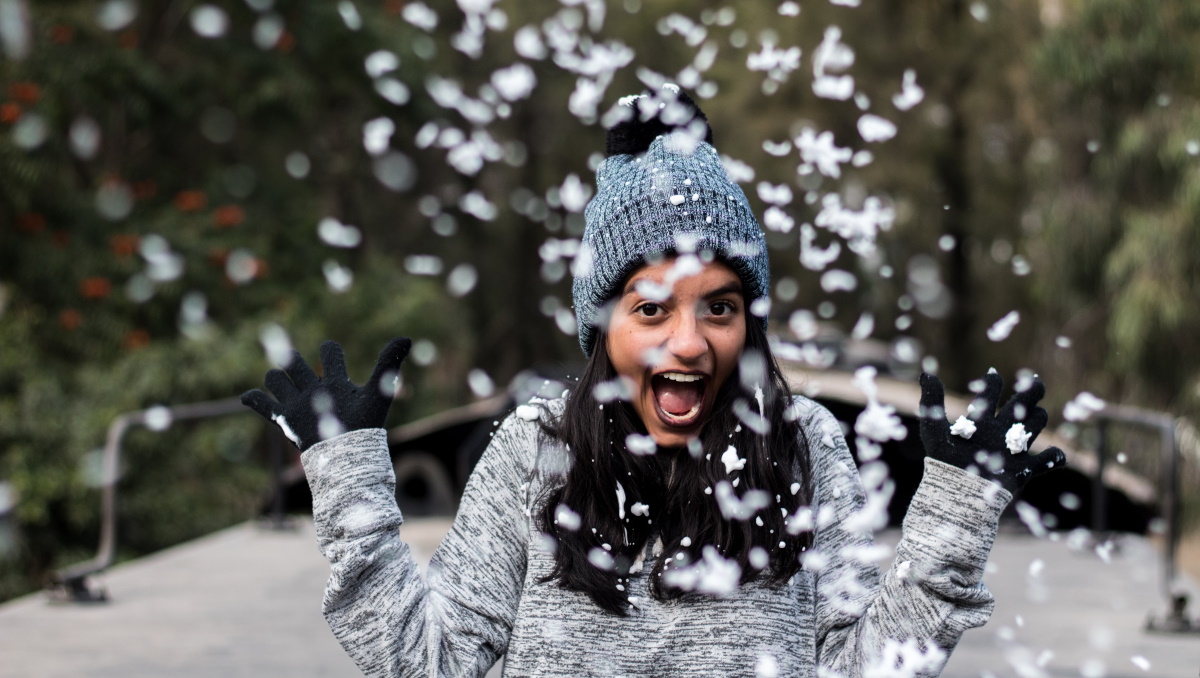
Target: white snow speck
point(767, 666)
point(812, 257)
point(859, 228)
point(877, 422)
point(528, 412)
point(837, 280)
point(336, 234)
point(1082, 407)
point(420, 15)
point(574, 194)
point(873, 128)
point(740, 508)
point(820, 151)
point(800, 521)
point(714, 574)
point(832, 55)
point(639, 509)
point(1140, 662)
point(528, 43)
point(910, 94)
point(1036, 567)
point(515, 82)
point(1017, 439)
point(963, 428)
point(158, 418)
point(835, 87)
point(377, 135)
point(640, 445)
point(1003, 327)
point(600, 559)
point(737, 170)
point(620, 388)
point(677, 199)
point(380, 62)
point(620, 501)
point(287, 430)
point(732, 461)
point(777, 220)
point(794, 488)
point(775, 195)
point(566, 518)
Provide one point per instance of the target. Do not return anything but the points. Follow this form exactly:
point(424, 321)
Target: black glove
point(986, 452)
point(311, 408)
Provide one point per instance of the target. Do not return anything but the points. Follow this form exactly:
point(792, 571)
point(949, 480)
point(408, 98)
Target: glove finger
point(302, 375)
point(933, 408)
point(262, 403)
point(1027, 399)
point(987, 400)
point(1045, 461)
point(279, 384)
point(333, 362)
point(389, 360)
point(1035, 421)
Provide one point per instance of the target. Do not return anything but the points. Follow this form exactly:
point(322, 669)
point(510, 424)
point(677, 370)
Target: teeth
point(676, 376)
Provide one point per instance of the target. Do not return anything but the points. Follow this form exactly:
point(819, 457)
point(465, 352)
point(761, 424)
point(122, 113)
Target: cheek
point(729, 347)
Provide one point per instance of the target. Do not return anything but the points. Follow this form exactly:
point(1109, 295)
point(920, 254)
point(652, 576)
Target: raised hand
point(310, 409)
point(993, 444)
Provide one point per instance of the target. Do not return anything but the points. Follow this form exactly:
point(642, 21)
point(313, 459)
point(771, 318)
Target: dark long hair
point(598, 541)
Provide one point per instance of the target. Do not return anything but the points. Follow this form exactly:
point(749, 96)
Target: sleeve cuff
point(352, 456)
point(954, 514)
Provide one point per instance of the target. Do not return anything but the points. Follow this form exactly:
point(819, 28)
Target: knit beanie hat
point(662, 190)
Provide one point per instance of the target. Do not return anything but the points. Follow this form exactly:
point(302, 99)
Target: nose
point(687, 341)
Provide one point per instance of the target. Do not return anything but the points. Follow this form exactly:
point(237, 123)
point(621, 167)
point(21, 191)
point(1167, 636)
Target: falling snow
point(1082, 407)
point(1003, 327)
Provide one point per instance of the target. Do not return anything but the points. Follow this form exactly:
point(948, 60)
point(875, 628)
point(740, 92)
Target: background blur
point(187, 188)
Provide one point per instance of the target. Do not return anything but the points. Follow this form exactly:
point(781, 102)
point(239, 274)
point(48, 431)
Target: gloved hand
point(992, 444)
point(311, 408)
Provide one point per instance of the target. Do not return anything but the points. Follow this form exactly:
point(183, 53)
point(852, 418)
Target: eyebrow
point(731, 288)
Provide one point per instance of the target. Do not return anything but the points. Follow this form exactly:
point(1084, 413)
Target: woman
point(677, 513)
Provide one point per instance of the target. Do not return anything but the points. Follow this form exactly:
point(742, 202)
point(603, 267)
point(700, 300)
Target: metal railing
point(1175, 619)
point(73, 584)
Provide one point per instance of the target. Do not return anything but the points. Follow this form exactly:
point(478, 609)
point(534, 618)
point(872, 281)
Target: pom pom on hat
point(651, 116)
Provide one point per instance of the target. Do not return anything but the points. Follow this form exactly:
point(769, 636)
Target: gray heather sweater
point(482, 598)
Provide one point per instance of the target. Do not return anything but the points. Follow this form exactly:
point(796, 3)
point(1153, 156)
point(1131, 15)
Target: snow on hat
point(662, 190)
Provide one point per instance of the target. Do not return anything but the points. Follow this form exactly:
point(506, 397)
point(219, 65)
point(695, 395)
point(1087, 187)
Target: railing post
point(73, 584)
point(1099, 493)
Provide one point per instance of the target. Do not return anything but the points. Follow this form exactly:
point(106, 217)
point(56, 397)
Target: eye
point(722, 308)
point(648, 310)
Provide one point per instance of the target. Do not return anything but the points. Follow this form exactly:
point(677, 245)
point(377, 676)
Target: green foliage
point(1120, 196)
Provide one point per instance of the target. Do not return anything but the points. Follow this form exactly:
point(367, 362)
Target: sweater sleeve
point(458, 620)
point(932, 593)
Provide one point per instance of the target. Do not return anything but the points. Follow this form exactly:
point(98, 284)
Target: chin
point(669, 439)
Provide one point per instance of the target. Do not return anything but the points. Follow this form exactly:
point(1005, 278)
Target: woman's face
point(677, 343)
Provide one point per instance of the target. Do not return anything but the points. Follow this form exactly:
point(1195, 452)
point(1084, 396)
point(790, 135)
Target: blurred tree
point(162, 177)
point(1117, 218)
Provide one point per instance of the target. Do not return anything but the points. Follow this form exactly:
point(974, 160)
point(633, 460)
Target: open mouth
point(678, 397)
